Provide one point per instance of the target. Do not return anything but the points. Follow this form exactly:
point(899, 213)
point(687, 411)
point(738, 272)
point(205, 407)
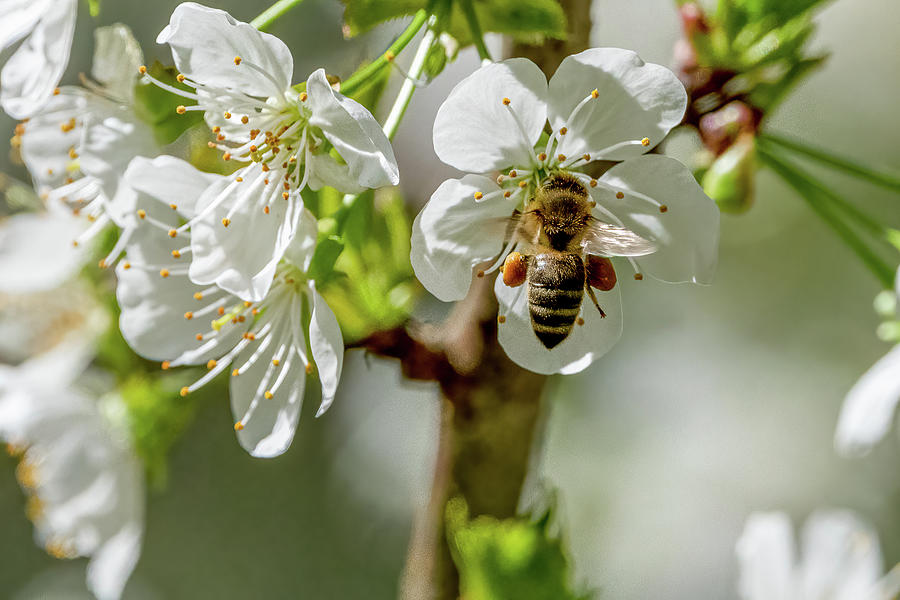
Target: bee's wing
point(604, 239)
point(504, 228)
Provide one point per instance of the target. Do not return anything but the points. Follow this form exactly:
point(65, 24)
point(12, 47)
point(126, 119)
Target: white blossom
point(602, 104)
point(869, 407)
point(840, 559)
point(33, 71)
point(78, 145)
point(269, 347)
point(284, 138)
point(84, 483)
point(36, 251)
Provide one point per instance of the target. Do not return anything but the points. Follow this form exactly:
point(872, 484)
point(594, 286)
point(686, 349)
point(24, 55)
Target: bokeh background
point(718, 401)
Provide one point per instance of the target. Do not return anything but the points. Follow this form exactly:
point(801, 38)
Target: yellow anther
point(663, 208)
point(199, 337)
point(56, 91)
point(198, 295)
point(479, 195)
point(507, 194)
point(216, 129)
point(620, 195)
point(163, 273)
point(592, 204)
point(479, 274)
point(226, 221)
point(580, 321)
point(586, 157)
point(237, 60)
point(181, 109)
point(173, 233)
point(238, 426)
point(245, 119)
point(34, 508)
point(74, 243)
point(239, 179)
point(247, 304)
point(523, 184)
point(142, 70)
point(513, 173)
point(563, 130)
point(645, 142)
point(269, 395)
point(220, 311)
point(561, 157)
point(220, 137)
point(141, 213)
point(180, 78)
point(226, 156)
point(188, 315)
point(235, 372)
point(303, 96)
point(173, 206)
point(501, 319)
point(72, 154)
point(27, 475)
point(593, 183)
point(126, 265)
point(275, 362)
point(285, 195)
point(254, 312)
point(165, 365)
point(253, 148)
point(506, 101)
point(210, 145)
point(389, 56)
point(595, 94)
point(211, 363)
point(227, 114)
point(638, 276)
point(241, 318)
point(542, 157)
point(185, 391)
point(266, 209)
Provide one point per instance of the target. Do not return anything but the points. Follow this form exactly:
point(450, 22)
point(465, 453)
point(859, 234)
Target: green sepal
point(730, 179)
point(157, 107)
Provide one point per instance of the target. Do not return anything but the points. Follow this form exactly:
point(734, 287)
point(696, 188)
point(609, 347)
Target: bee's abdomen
point(555, 292)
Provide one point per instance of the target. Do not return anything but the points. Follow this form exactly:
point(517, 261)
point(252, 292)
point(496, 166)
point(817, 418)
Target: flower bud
point(730, 179)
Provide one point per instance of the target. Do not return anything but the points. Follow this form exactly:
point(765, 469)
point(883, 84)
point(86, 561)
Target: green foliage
point(94, 8)
point(526, 20)
point(729, 180)
point(511, 559)
point(156, 106)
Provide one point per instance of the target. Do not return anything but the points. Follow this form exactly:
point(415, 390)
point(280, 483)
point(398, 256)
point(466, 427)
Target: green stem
point(888, 180)
point(365, 74)
point(475, 28)
point(409, 84)
point(273, 13)
point(809, 191)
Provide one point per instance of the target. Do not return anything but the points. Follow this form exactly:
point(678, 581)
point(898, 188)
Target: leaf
point(768, 95)
point(523, 19)
point(157, 107)
point(510, 559)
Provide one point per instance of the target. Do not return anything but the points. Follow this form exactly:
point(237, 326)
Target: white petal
point(36, 252)
point(20, 17)
point(687, 234)
point(454, 233)
point(170, 180)
point(325, 170)
point(585, 344)
point(354, 132)
point(45, 147)
point(765, 553)
point(327, 345)
point(841, 557)
point(242, 257)
point(112, 564)
point(636, 100)
point(205, 42)
point(117, 57)
point(303, 246)
point(34, 70)
point(269, 429)
point(868, 411)
point(475, 132)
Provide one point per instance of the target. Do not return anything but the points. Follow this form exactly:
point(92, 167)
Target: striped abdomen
point(555, 290)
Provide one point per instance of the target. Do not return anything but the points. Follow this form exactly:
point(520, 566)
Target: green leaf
point(530, 20)
point(510, 559)
point(321, 268)
point(157, 107)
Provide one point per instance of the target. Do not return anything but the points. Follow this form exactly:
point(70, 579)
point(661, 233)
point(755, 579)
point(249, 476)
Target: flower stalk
point(468, 10)
point(273, 13)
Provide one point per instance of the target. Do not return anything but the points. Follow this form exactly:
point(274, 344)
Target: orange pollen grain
point(188, 315)
point(238, 426)
point(165, 365)
point(506, 101)
point(181, 109)
point(237, 60)
point(184, 391)
point(226, 222)
point(645, 142)
point(142, 213)
point(172, 233)
point(303, 97)
point(211, 364)
point(142, 70)
point(221, 311)
point(176, 254)
point(180, 78)
point(269, 395)
point(479, 195)
point(595, 94)
point(164, 273)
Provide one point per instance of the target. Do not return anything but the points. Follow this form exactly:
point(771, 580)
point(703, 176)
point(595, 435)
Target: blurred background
point(718, 401)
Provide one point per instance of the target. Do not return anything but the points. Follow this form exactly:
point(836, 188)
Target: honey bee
point(565, 250)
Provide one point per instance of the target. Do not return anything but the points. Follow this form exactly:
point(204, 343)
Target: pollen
point(580, 321)
point(638, 276)
point(188, 315)
point(513, 173)
point(542, 157)
point(172, 233)
point(266, 209)
point(523, 184)
point(254, 148)
point(216, 129)
point(479, 274)
point(226, 114)
point(211, 363)
point(501, 319)
point(506, 101)
point(235, 372)
point(663, 208)
point(303, 97)
point(239, 179)
point(561, 157)
point(507, 194)
point(237, 60)
point(163, 273)
point(184, 391)
point(165, 365)
point(180, 78)
point(226, 156)
point(126, 265)
point(181, 109)
point(173, 206)
point(285, 195)
point(142, 70)
point(238, 426)
point(275, 362)
point(245, 119)
point(220, 311)
point(226, 222)
point(65, 127)
point(72, 154)
point(56, 91)
point(199, 337)
point(250, 336)
point(595, 94)
point(586, 157)
point(593, 183)
point(141, 213)
point(645, 142)
point(479, 195)
point(269, 395)
point(620, 195)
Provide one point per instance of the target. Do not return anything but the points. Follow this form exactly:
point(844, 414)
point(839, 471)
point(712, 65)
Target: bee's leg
point(590, 292)
point(514, 269)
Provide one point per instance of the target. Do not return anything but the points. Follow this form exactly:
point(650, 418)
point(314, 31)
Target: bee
point(565, 250)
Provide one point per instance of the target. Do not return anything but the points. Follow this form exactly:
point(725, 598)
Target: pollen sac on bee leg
point(601, 274)
point(514, 269)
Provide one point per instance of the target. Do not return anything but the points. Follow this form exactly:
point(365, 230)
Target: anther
point(237, 60)
point(226, 156)
point(303, 96)
point(513, 173)
point(220, 137)
point(275, 362)
point(663, 208)
point(176, 254)
point(102, 264)
point(72, 154)
point(210, 144)
point(173, 206)
point(592, 204)
point(580, 321)
point(56, 91)
point(507, 194)
point(595, 94)
point(285, 195)
point(165, 365)
point(269, 395)
point(593, 183)
point(266, 209)
point(163, 273)
point(141, 213)
point(479, 195)
point(586, 157)
point(506, 101)
point(523, 184)
point(184, 391)
point(172, 233)
point(241, 318)
point(142, 70)
point(220, 311)
point(198, 295)
point(238, 426)
point(180, 78)
point(235, 373)
point(126, 265)
point(216, 129)
point(542, 157)
point(199, 337)
point(561, 157)
point(247, 304)
point(181, 109)
point(227, 114)
point(254, 148)
point(239, 179)
point(620, 195)
point(638, 276)
point(479, 274)
point(211, 363)
point(245, 119)
point(226, 222)
point(501, 319)
point(188, 315)
point(645, 142)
